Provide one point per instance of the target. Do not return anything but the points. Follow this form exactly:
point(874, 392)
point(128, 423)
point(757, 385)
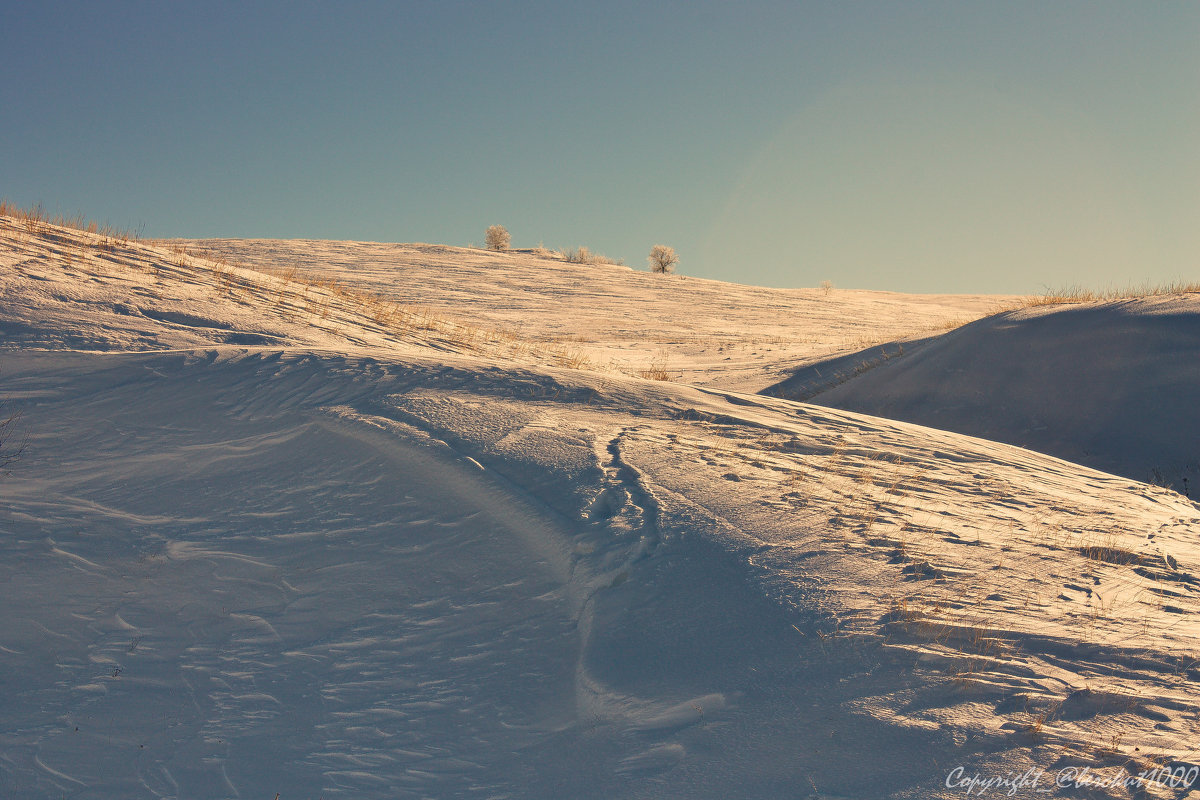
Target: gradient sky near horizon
point(923, 146)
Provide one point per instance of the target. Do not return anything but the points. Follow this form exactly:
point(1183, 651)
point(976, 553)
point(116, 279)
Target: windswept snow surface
point(1113, 385)
point(377, 555)
point(698, 331)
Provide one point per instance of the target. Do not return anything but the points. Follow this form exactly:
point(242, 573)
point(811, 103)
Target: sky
point(1007, 147)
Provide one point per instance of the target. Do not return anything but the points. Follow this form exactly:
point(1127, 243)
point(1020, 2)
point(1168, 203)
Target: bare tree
point(496, 238)
point(662, 258)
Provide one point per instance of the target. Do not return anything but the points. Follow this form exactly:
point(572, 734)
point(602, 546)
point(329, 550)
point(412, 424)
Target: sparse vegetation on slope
point(36, 220)
point(656, 370)
point(581, 255)
point(112, 260)
point(737, 336)
point(1079, 294)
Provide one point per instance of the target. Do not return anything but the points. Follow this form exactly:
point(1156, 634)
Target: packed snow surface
point(352, 520)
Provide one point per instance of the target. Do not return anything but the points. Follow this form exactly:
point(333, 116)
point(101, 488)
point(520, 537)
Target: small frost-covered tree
point(497, 238)
point(662, 258)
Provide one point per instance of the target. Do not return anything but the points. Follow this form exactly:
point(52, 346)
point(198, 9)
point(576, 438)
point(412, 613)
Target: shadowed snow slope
point(1112, 385)
point(378, 556)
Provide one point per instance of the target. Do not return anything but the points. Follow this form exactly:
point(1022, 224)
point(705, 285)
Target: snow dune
point(1114, 385)
point(383, 552)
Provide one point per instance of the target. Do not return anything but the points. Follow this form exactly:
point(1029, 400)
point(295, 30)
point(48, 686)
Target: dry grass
point(292, 291)
point(284, 291)
point(1079, 294)
point(953, 324)
point(37, 220)
point(656, 370)
point(571, 358)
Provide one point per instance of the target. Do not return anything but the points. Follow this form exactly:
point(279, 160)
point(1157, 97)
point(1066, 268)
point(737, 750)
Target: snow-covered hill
point(288, 536)
point(698, 331)
point(1114, 385)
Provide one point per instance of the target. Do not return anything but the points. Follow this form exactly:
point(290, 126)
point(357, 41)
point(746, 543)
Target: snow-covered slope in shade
point(381, 560)
point(1114, 385)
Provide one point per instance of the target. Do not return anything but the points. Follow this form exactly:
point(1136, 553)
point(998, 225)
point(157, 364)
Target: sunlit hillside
point(306, 519)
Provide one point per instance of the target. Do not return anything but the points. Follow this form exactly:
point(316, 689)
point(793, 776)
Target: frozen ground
point(271, 536)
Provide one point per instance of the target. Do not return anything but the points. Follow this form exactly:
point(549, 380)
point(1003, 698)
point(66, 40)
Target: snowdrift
point(1112, 385)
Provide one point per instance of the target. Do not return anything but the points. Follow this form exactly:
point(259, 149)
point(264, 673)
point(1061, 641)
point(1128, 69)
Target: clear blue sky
point(960, 146)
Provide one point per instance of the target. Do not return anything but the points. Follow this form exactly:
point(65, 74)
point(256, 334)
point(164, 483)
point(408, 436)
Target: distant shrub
point(576, 255)
point(497, 238)
point(662, 258)
point(581, 255)
point(826, 287)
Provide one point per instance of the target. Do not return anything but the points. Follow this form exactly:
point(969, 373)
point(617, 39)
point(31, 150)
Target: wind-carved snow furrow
point(625, 506)
point(626, 513)
point(620, 530)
